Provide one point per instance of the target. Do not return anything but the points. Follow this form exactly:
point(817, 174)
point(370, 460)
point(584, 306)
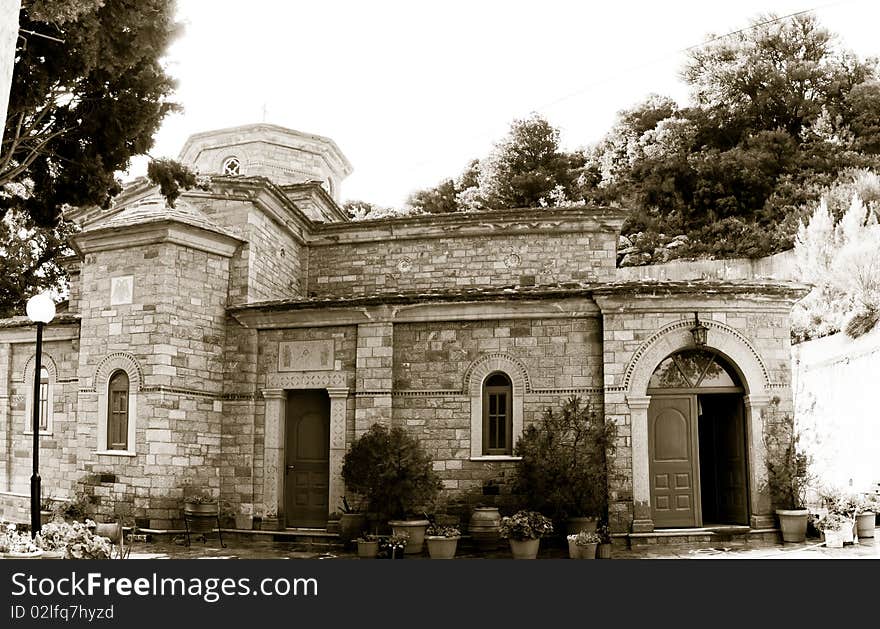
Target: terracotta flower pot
point(793, 523)
point(414, 530)
point(524, 548)
point(368, 550)
point(603, 551)
point(440, 547)
point(865, 524)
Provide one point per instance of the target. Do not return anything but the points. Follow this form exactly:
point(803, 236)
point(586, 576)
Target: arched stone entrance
point(752, 382)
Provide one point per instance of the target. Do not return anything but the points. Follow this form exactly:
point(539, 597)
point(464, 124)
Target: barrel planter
point(201, 518)
point(484, 527)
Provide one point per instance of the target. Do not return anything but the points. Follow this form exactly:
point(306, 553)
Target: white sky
point(412, 90)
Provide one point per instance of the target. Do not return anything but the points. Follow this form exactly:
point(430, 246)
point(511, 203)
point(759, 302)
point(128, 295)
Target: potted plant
point(583, 545)
point(351, 521)
point(835, 527)
point(15, 544)
point(867, 517)
point(787, 473)
point(391, 469)
point(201, 512)
point(524, 530)
point(368, 546)
point(52, 539)
point(270, 520)
point(603, 551)
point(564, 470)
point(244, 521)
point(393, 547)
point(83, 543)
point(442, 541)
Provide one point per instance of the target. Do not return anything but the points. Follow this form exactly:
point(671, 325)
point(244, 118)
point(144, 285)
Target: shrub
point(788, 463)
point(564, 470)
point(391, 469)
point(524, 525)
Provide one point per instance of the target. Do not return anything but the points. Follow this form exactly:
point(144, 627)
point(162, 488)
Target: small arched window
point(117, 411)
point(232, 166)
point(497, 414)
point(44, 399)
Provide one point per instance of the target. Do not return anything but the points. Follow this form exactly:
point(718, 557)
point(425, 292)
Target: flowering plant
point(14, 541)
point(584, 537)
point(443, 531)
point(604, 533)
point(524, 525)
point(834, 522)
point(82, 543)
point(53, 536)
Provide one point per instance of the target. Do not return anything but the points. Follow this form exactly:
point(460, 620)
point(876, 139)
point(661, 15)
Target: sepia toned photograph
point(439, 280)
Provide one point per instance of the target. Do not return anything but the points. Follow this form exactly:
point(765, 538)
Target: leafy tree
point(88, 93)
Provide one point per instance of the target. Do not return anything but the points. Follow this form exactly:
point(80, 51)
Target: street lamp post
point(41, 310)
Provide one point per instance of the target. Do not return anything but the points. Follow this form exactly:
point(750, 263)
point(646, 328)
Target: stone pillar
point(759, 501)
point(375, 358)
point(338, 408)
point(273, 453)
point(643, 522)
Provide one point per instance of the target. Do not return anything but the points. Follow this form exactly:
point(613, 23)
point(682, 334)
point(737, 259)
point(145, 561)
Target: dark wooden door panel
point(671, 433)
point(308, 459)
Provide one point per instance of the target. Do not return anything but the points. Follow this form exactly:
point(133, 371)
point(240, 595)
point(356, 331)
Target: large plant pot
point(524, 548)
point(414, 530)
point(576, 525)
point(865, 524)
point(440, 547)
point(351, 525)
point(587, 551)
point(484, 527)
point(793, 524)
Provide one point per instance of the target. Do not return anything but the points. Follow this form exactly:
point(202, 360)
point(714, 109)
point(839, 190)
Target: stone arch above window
point(47, 394)
point(105, 374)
point(482, 370)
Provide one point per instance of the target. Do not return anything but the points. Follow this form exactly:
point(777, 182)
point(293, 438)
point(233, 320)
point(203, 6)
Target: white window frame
point(475, 380)
point(49, 365)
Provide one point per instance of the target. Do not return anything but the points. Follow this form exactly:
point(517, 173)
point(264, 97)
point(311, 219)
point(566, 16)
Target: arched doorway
point(698, 457)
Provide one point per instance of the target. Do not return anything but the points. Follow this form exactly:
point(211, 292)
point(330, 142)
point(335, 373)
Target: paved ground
point(246, 549)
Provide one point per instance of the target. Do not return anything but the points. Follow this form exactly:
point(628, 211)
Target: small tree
point(788, 474)
point(564, 469)
point(392, 470)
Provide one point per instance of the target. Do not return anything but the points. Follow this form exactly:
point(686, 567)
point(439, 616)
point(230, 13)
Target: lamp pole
point(41, 310)
point(35, 476)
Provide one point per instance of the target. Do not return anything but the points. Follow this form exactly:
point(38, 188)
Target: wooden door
point(731, 490)
point(307, 452)
point(673, 461)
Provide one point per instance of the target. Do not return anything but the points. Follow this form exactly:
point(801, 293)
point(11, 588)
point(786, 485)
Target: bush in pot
point(788, 475)
point(395, 475)
point(564, 469)
point(524, 530)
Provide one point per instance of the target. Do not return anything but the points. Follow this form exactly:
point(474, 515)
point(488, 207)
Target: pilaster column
point(759, 500)
point(375, 360)
point(338, 411)
point(643, 521)
point(6, 430)
point(273, 451)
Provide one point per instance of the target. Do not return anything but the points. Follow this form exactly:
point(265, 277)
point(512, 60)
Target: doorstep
point(698, 536)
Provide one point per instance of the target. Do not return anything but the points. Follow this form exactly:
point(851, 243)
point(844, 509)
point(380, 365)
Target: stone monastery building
point(241, 340)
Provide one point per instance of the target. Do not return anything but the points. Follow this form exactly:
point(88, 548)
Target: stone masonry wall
point(563, 357)
point(459, 262)
point(271, 265)
point(58, 453)
point(175, 330)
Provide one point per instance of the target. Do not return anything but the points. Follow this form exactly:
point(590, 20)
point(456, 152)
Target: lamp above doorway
point(699, 331)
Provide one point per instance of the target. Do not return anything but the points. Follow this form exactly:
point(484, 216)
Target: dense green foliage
point(79, 109)
point(564, 471)
point(392, 470)
point(778, 111)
